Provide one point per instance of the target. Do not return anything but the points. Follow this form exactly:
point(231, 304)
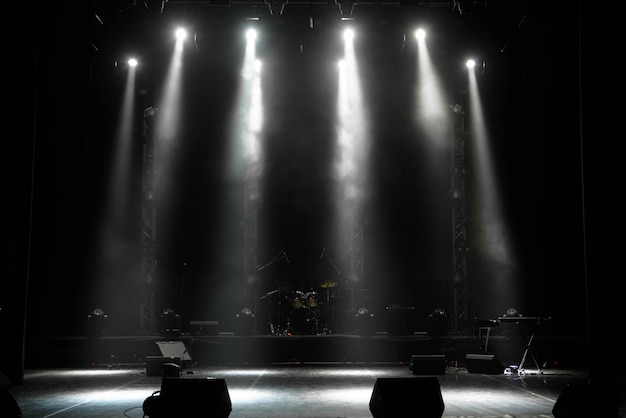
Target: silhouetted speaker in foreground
point(395, 397)
point(8, 407)
point(181, 397)
point(584, 401)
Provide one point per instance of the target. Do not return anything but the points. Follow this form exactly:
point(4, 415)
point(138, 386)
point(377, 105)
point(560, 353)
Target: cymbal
point(328, 283)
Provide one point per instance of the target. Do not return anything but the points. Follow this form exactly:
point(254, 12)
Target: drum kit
point(308, 313)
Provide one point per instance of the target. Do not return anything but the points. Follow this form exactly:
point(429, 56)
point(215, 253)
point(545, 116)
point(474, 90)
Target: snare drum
point(311, 299)
point(297, 299)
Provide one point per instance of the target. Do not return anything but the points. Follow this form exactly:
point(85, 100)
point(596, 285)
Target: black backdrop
point(63, 113)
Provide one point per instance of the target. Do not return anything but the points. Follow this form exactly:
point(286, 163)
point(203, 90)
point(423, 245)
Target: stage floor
point(321, 376)
point(297, 390)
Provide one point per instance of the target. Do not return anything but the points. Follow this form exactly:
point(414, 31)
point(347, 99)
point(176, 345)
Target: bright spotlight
point(348, 34)
point(420, 34)
point(181, 34)
point(132, 62)
point(470, 63)
point(251, 34)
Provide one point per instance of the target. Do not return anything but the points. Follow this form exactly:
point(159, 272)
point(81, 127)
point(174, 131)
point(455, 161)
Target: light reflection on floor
point(293, 391)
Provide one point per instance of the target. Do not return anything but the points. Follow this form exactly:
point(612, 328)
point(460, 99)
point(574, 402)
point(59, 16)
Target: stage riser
point(229, 349)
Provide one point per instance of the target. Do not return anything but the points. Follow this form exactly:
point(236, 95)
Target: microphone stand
point(325, 254)
point(330, 310)
point(280, 256)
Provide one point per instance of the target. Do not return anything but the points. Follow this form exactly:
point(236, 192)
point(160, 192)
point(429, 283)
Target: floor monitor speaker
point(186, 397)
point(428, 364)
point(407, 396)
point(483, 364)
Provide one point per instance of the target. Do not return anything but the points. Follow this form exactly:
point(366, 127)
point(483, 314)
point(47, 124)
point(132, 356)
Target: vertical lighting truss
point(250, 227)
point(357, 242)
point(165, 125)
point(147, 319)
point(459, 289)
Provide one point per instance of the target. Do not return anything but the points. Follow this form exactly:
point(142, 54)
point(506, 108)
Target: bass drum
point(303, 322)
point(297, 300)
point(311, 299)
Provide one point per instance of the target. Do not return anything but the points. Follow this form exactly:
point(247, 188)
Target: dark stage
point(294, 210)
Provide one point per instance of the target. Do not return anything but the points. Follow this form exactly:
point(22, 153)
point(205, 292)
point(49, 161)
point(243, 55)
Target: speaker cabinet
point(182, 397)
point(573, 402)
point(582, 400)
point(394, 397)
point(8, 407)
point(428, 364)
point(483, 364)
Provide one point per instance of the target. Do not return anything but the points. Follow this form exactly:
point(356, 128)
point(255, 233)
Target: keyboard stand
point(528, 351)
point(528, 339)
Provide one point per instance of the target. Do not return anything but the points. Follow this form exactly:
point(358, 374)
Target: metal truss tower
point(147, 318)
point(356, 243)
point(459, 287)
point(356, 280)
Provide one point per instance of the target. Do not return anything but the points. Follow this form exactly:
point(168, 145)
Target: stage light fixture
point(470, 63)
point(97, 323)
point(181, 34)
point(512, 312)
point(246, 321)
point(170, 322)
point(458, 109)
point(438, 322)
point(123, 65)
point(150, 112)
point(364, 321)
